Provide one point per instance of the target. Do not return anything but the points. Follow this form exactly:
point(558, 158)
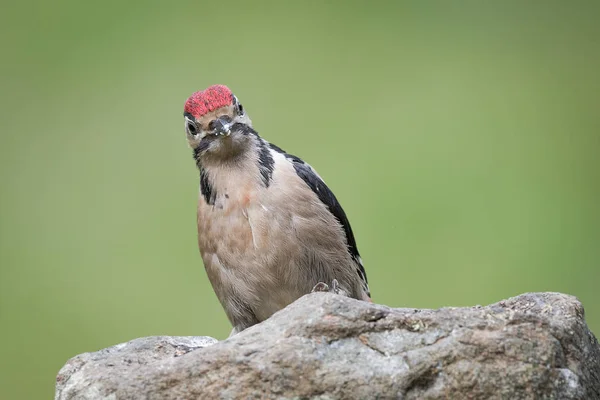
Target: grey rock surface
point(324, 346)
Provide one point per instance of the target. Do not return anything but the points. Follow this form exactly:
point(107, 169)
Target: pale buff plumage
point(264, 247)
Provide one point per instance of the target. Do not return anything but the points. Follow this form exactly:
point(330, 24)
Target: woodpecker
point(269, 228)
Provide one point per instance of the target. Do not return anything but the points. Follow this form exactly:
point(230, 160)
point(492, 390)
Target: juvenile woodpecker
point(269, 228)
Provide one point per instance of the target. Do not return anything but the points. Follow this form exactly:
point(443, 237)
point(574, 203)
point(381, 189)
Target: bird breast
point(268, 245)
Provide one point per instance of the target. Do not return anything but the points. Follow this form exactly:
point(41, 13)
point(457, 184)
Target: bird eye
point(191, 128)
point(238, 106)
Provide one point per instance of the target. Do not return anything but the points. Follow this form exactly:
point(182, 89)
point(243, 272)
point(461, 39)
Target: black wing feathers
point(265, 163)
point(305, 172)
point(324, 194)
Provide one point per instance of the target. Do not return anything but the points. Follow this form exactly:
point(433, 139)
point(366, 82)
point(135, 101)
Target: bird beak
point(221, 127)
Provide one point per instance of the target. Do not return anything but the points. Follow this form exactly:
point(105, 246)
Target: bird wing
point(318, 186)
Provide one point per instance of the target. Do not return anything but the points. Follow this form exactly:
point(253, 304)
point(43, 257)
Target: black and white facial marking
point(191, 126)
point(237, 106)
point(195, 136)
point(206, 189)
point(325, 194)
point(220, 130)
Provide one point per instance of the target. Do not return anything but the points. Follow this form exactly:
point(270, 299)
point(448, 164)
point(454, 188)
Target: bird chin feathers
point(220, 148)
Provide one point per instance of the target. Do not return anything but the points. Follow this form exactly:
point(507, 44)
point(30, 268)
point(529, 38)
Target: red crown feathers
point(207, 100)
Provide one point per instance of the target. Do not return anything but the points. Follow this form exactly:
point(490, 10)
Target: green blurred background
point(462, 139)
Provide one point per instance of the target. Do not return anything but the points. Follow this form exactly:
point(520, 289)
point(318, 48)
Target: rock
point(324, 346)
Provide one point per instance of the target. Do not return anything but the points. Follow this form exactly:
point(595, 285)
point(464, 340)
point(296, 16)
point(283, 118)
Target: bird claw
point(320, 287)
point(323, 287)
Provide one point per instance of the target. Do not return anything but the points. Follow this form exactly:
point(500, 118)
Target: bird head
point(215, 122)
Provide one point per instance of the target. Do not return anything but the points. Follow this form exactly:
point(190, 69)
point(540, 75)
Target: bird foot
point(323, 287)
